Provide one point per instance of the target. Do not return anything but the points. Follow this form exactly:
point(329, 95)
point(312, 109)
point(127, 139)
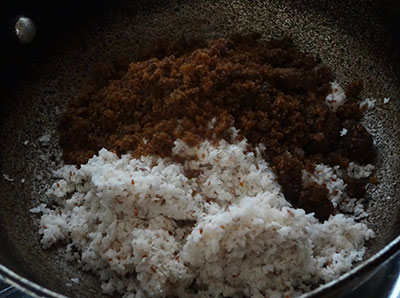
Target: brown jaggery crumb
point(357, 143)
point(288, 169)
point(355, 188)
point(353, 89)
point(314, 198)
point(233, 81)
point(193, 90)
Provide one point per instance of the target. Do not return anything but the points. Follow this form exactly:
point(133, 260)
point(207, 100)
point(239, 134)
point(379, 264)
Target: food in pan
point(232, 168)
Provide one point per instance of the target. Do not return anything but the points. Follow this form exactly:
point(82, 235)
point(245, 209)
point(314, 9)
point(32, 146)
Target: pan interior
point(348, 40)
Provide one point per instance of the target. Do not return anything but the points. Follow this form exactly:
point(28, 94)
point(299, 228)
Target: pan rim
point(367, 265)
point(26, 286)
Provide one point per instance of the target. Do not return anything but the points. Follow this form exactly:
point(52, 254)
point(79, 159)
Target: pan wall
point(357, 39)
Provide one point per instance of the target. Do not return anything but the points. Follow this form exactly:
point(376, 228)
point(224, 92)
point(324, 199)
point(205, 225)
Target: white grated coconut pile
point(147, 230)
point(369, 103)
point(336, 98)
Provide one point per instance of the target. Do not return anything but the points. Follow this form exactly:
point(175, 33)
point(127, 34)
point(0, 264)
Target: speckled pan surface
point(349, 40)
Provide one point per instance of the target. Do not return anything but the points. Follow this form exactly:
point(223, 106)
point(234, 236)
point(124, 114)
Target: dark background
point(53, 19)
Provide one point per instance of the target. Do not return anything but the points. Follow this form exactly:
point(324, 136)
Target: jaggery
point(270, 91)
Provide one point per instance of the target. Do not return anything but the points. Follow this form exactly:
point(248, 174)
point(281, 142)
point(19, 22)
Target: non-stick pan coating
point(347, 35)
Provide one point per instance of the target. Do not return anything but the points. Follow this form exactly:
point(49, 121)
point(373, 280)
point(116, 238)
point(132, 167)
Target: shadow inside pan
point(348, 37)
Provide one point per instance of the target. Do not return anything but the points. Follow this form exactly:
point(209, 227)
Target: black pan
point(357, 39)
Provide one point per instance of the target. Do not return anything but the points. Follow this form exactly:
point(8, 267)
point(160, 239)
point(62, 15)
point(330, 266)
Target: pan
point(357, 39)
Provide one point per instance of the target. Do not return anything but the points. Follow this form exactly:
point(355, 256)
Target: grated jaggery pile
point(270, 91)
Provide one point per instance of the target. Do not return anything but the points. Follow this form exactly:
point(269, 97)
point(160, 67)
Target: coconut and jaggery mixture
point(229, 168)
point(273, 94)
